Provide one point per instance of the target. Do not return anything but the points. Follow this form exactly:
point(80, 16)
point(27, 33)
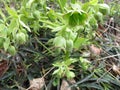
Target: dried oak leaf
point(20, 69)
point(116, 69)
point(95, 50)
point(3, 67)
point(36, 84)
point(64, 85)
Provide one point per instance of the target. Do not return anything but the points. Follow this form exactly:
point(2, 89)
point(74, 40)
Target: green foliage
point(12, 50)
point(60, 42)
point(99, 16)
point(11, 30)
point(63, 70)
point(84, 63)
point(80, 42)
point(20, 38)
point(114, 11)
point(104, 9)
point(72, 25)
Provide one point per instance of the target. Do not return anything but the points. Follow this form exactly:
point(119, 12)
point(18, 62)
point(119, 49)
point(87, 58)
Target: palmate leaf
point(108, 80)
point(107, 86)
point(91, 85)
point(83, 80)
point(113, 80)
point(104, 81)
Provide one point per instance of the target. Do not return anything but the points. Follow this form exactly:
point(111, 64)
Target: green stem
point(67, 55)
point(48, 22)
point(77, 35)
point(44, 46)
point(61, 7)
point(44, 6)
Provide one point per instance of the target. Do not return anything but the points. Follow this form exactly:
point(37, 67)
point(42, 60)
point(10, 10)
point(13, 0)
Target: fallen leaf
point(36, 84)
point(3, 67)
point(86, 54)
point(20, 69)
point(95, 50)
point(64, 85)
point(72, 81)
point(116, 69)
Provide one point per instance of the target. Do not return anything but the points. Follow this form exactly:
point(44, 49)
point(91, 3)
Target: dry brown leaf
point(86, 54)
point(64, 85)
point(20, 69)
point(36, 84)
point(95, 50)
point(72, 81)
point(3, 67)
point(116, 69)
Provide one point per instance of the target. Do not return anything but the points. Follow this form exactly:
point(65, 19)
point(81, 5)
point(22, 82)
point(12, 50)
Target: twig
point(44, 46)
point(104, 74)
point(113, 27)
point(109, 57)
point(48, 72)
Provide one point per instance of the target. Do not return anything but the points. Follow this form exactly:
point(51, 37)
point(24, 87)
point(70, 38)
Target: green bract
point(20, 38)
point(104, 9)
point(12, 50)
point(60, 42)
point(69, 26)
point(36, 14)
point(99, 16)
